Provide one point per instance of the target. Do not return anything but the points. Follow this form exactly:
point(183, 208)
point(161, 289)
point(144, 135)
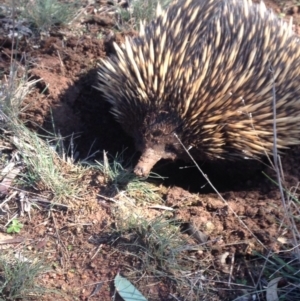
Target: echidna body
point(206, 70)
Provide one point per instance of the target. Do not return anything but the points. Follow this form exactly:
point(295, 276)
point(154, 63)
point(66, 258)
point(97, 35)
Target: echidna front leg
point(147, 160)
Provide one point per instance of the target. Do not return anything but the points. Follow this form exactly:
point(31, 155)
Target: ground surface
point(76, 242)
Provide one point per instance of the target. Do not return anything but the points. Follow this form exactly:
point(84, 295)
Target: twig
point(58, 236)
point(97, 251)
point(231, 269)
point(161, 207)
point(277, 164)
point(61, 62)
point(12, 240)
point(106, 198)
point(9, 221)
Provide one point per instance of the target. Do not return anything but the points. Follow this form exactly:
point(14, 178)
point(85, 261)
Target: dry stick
point(39, 198)
point(97, 251)
point(277, 167)
point(61, 62)
point(16, 240)
point(60, 240)
point(231, 269)
point(217, 192)
point(13, 35)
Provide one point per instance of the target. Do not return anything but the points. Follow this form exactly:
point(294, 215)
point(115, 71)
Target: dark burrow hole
point(98, 131)
point(225, 176)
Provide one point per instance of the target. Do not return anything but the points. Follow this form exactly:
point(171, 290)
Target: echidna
point(205, 70)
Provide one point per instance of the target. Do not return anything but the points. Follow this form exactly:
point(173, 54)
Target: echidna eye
point(170, 148)
point(157, 133)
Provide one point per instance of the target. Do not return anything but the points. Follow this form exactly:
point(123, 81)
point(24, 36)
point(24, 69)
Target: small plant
point(114, 172)
point(140, 10)
point(15, 226)
point(44, 14)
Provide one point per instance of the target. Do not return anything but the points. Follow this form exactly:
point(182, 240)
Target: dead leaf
point(9, 173)
point(272, 290)
point(222, 261)
point(198, 235)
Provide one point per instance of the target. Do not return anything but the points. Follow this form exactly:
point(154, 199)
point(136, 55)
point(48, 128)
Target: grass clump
point(160, 240)
point(160, 250)
point(44, 14)
point(280, 271)
point(12, 93)
point(277, 274)
point(120, 177)
point(18, 278)
point(44, 168)
point(139, 10)
point(161, 253)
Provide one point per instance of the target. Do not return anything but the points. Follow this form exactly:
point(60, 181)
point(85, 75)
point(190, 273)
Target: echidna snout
point(146, 162)
point(156, 145)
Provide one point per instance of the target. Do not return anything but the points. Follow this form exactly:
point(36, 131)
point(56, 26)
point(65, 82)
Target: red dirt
point(77, 243)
